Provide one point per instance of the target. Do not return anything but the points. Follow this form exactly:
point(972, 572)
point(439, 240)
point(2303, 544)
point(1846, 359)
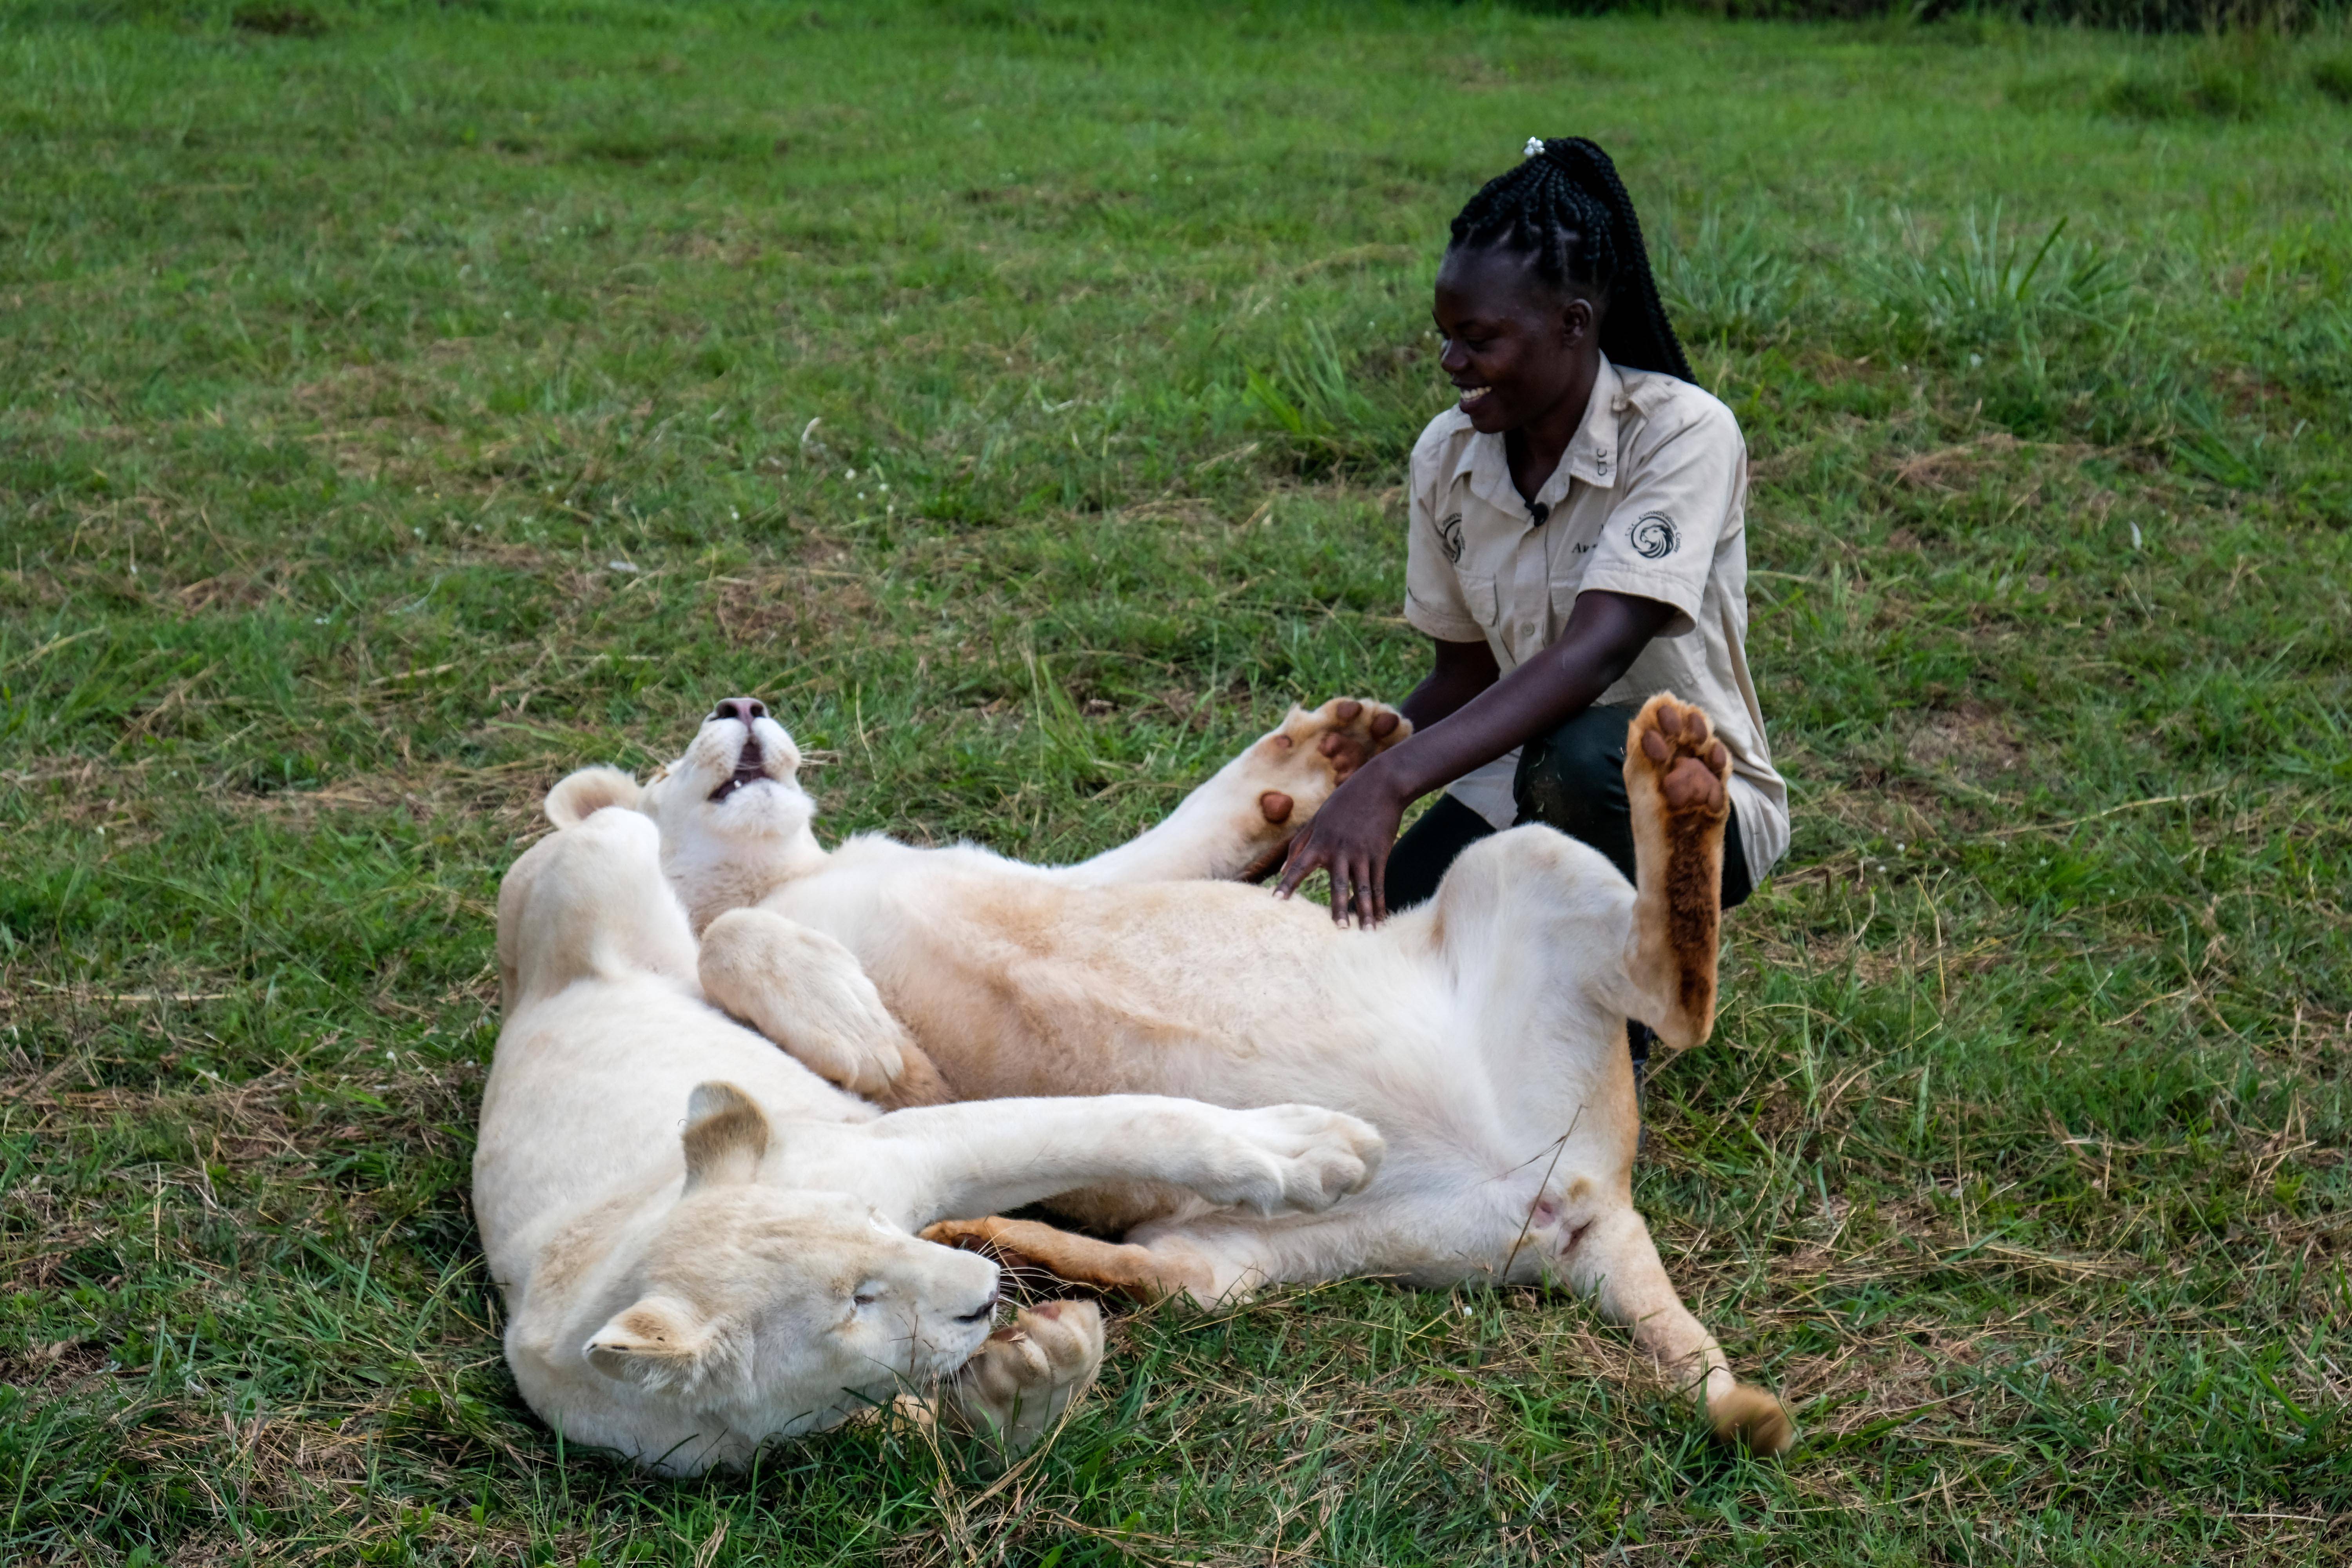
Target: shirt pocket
point(1478, 598)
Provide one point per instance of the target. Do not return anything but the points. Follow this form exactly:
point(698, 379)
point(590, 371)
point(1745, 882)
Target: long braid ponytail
point(1567, 209)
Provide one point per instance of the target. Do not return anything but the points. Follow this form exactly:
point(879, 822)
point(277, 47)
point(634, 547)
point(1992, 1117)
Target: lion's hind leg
point(1029, 1248)
point(1676, 788)
point(1613, 1261)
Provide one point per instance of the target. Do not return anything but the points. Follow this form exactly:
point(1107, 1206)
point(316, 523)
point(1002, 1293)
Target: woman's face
point(1514, 343)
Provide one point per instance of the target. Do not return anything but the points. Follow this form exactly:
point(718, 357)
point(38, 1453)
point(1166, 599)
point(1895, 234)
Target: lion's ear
point(579, 797)
point(658, 1340)
point(725, 1135)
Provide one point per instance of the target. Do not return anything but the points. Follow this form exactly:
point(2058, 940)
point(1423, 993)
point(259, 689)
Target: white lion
point(1483, 1034)
point(702, 1243)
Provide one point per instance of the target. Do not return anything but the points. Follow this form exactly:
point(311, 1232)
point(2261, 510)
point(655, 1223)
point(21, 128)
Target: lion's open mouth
point(749, 768)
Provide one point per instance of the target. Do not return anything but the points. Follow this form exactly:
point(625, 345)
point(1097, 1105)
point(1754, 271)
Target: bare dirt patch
point(1972, 740)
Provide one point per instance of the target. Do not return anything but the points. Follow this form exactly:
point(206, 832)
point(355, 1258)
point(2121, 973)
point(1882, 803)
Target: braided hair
point(1566, 209)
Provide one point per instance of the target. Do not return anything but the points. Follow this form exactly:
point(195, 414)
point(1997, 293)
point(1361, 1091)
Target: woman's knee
point(1420, 859)
point(1574, 779)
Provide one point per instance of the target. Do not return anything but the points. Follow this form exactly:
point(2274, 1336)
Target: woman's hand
point(1350, 839)
point(1463, 717)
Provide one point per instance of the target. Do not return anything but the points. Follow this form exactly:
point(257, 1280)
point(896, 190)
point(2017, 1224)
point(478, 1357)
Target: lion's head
point(733, 817)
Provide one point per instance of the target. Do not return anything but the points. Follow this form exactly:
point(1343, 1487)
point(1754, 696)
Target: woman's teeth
point(1472, 394)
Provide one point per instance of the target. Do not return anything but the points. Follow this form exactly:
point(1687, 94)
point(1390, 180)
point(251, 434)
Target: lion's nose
point(985, 1311)
point(743, 708)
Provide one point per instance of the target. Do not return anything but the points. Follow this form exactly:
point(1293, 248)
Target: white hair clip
point(1534, 147)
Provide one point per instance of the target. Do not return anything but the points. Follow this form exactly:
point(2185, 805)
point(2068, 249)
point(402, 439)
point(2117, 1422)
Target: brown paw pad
point(1681, 724)
point(1318, 750)
point(1692, 782)
point(1690, 764)
point(1274, 806)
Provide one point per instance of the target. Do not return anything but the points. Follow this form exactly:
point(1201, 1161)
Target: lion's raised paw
point(1298, 764)
point(1676, 742)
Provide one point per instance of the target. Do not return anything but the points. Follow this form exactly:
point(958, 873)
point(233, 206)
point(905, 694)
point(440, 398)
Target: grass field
point(397, 415)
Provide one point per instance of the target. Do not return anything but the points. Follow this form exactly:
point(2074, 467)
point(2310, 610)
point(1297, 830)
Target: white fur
point(1483, 1034)
point(702, 1244)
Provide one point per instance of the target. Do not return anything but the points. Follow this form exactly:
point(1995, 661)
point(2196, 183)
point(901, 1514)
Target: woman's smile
point(1509, 346)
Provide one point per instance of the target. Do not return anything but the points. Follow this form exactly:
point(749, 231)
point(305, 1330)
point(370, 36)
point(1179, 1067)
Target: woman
point(1577, 543)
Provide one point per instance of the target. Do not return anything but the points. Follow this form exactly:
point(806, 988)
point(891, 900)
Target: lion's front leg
point(984, 1157)
point(1241, 818)
point(809, 995)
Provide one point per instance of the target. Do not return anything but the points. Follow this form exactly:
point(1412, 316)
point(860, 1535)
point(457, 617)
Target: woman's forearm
point(1605, 633)
point(1461, 671)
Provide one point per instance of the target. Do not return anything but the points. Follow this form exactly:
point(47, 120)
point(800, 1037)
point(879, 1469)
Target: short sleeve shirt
point(1650, 499)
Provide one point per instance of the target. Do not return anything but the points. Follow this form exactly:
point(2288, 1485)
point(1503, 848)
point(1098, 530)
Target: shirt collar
point(1591, 456)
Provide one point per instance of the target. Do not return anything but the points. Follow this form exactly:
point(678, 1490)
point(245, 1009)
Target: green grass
point(397, 410)
point(2332, 75)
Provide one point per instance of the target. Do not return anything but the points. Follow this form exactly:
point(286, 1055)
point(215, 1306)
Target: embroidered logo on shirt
point(1654, 536)
point(1449, 538)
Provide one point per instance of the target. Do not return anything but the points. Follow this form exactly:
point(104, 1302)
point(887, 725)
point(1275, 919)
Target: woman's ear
point(1580, 322)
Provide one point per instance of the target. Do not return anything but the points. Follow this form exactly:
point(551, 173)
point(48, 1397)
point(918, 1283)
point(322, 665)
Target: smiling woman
point(2023, 1165)
point(1578, 545)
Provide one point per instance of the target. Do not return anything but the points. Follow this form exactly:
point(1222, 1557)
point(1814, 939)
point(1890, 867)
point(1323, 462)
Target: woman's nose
point(1450, 357)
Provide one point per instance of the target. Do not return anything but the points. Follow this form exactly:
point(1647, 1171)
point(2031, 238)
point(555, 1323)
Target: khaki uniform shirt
point(1650, 499)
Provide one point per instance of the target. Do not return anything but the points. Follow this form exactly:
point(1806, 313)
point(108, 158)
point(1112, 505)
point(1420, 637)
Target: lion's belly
point(1018, 986)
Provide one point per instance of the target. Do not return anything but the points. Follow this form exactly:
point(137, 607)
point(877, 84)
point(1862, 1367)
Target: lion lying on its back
point(1482, 1034)
point(700, 1243)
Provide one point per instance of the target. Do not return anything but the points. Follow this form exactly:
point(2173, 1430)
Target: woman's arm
point(1469, 724)
point(1458, 672)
